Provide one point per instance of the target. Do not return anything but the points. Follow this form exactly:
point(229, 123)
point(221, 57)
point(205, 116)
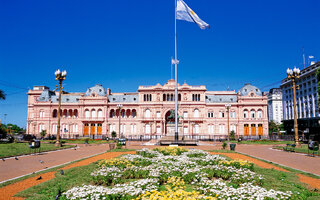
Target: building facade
point(307, 102)
point(146, 112)
point(275, 105)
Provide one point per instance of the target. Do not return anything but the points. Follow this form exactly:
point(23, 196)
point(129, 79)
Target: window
point(195, 97)
point(196, 113)
point(196, 128)
point(252, 113)
point(221, 129)
point(41, 114)
point(210, 129)
point(99, 113)
point(147, 97)
point(158, 114)
point(259, 113)
point(134, 113)
point(245, 114)
point(87, 114)
point(41, 127)
point(54, 113)
point(148, 128)
point(185, 114)
point(210, 114)
point(93, 113)
point(147, 113)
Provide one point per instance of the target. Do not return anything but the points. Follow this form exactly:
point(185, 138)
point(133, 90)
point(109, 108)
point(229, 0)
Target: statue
point(172, 115)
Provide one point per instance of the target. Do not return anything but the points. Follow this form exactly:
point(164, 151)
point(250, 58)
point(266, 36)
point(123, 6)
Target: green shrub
point(224, 145)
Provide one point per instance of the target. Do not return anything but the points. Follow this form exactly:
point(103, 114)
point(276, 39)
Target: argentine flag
point(187, 14)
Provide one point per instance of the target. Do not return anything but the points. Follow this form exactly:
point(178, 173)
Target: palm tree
point(2, 95)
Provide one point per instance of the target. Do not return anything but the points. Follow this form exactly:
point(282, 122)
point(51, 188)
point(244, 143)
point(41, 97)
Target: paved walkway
point(294, 160)
point(11, 168)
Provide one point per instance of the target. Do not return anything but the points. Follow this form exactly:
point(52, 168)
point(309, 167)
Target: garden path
point(293, 160)
point(12, 168)
point(8, 192)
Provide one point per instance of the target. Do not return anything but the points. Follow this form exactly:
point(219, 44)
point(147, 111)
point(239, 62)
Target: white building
point(275, 112)
point(307, 102)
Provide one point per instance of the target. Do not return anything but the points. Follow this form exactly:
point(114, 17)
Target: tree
point(2, 95)
point(113, 134)
point(43, 133)
point(273, 127)
point(13, 128)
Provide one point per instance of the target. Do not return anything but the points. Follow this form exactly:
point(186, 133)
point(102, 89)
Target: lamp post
point(228, 109)
point(119, 107)
point(293, 75)
point(60, 76)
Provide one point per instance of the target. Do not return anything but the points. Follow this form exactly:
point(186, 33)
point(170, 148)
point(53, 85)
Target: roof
point(247, 88)
point(97, 89)
point(221, 98)
point(131, 98)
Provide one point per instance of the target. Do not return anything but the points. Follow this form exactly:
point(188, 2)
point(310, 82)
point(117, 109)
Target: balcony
point(93, 119)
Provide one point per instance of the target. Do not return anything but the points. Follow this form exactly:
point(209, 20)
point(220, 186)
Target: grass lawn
point(302, 149)
point(273, 179)
point(16, 149)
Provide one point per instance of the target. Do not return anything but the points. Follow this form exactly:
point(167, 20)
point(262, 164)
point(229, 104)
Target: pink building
point(96, 113)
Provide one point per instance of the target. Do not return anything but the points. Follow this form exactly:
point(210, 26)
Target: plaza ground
point(11, 168)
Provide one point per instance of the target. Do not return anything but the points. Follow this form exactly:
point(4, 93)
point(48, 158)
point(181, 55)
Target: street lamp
point(119, 107)
point(228, 108)
point(293, 75)
point(60, 76)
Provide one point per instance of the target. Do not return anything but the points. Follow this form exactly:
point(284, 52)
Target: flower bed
point(174, 173)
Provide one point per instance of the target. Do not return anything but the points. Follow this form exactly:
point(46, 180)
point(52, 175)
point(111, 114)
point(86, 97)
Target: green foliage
point(224, 145)
point(13, 128)
point(273, 127)
point(43, 133)
point(15, 149)
point(113, 134)
point(232, 135)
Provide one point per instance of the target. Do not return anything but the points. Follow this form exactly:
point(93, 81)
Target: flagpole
point(176, 137)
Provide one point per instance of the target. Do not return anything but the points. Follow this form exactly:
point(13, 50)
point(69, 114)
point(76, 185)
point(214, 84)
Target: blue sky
point(124, 44)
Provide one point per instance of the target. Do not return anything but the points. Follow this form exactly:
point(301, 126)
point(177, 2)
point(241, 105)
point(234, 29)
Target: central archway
point(169, 123)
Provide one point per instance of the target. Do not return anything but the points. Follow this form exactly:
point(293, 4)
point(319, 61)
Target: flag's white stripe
point(187, 14)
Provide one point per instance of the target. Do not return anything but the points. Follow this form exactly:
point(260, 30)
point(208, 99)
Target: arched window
point(112, 113)
point(196, 113)
point(245, 114)
point(179, 97)
point(123, 113)
point(252, 114)
point(168, 97)
point(41, 113)
point(87, 114)
point(171, 97)
point(75, 113)
point(54, 113)
point(147, 113)
point(70, 113)
point(164, 97)
point(128, 113)
point(259, 114)
point(65, 113)
point(93, 113)
point(100, 113)
point(134, 113)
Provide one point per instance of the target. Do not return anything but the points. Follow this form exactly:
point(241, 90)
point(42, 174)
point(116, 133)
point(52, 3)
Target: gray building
point(307, 102)
point(275, 112)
